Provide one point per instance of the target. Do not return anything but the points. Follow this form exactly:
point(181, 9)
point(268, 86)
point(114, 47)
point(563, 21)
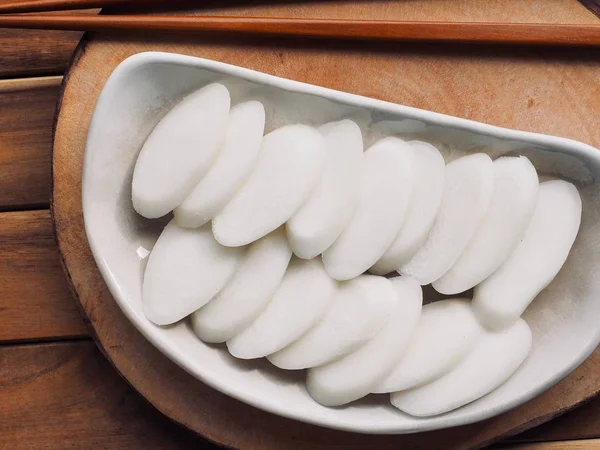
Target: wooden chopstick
point(25, 6)
point(442, 32)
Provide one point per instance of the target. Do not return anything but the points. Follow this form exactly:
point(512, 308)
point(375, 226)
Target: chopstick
point(441, 32)
point(58, 5)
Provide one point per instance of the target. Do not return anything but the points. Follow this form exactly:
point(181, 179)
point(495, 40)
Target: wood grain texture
point(66, 395)
point(36, 52)
point(385, 31)
point(586, 444)
point(23, 6)
point(517, 90)
point(548, 11)
point(514, 89)
point(509, 11)
point(35, 301)
point(581, 423)
point(26, 115)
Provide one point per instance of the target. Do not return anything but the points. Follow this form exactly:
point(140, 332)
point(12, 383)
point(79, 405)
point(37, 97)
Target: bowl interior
point(564, 318)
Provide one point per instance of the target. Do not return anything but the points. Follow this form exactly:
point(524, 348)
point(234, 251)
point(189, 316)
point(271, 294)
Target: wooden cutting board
point(548, 91)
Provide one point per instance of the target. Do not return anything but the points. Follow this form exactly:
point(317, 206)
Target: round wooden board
point(546, 91)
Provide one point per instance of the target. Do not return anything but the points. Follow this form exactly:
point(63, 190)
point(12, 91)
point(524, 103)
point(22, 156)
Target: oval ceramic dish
point(564, 318)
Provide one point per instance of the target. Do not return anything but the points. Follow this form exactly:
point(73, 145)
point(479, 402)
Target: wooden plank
point(37, 52)
point(584, 444)
point(582, 423)
point(522, 11)
point(66, 395)
point(26, 116)
point(35, 301)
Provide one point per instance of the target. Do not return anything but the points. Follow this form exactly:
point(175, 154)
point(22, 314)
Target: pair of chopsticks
point(366, 30)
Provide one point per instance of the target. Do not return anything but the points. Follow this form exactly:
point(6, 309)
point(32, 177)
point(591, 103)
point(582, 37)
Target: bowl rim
point(551, 143)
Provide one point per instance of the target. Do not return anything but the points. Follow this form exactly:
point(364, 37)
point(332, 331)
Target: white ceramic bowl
point(564, 318)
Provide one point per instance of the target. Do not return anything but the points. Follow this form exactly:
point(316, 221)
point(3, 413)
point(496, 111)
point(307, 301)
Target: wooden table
point(56, 389)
